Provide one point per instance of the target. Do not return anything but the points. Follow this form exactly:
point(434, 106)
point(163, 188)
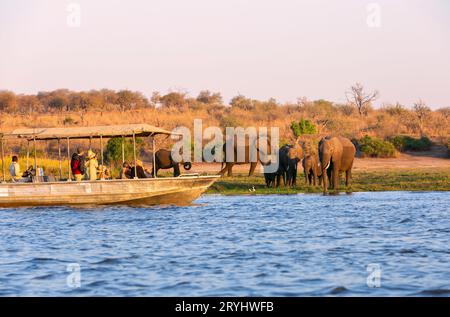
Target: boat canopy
point(127, 130)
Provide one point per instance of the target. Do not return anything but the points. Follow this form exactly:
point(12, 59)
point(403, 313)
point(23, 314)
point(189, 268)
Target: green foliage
point(407, 143)
point(113, 152)
point(303, 127)
point(374, 147)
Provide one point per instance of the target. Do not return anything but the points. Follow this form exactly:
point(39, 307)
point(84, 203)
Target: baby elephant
point(311, 169)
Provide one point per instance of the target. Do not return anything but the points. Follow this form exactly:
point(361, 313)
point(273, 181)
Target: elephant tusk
point(327, 166)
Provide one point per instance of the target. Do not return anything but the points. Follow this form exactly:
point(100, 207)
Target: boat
point(46, 191)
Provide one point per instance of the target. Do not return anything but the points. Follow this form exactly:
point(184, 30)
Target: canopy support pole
point(134, 156)
point(102, 171)
point(35, 158)
point(69, 179)
point(28, 153)
point(3, 161)
point(123, 150)
point(59, 158)
point(154, 156)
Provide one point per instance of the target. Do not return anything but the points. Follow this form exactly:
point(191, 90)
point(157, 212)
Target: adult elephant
point(164, 160)
point(336, 155)
point(227, 167)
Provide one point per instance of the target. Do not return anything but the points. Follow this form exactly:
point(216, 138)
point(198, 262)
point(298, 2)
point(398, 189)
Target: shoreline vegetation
point(418, 179)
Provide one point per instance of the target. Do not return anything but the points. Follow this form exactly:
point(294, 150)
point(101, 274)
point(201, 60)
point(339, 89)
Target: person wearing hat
point(92, 165)
point(139, 170)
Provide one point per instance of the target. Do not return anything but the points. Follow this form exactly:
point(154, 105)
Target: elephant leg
point(278, 180)
point(230, 169)
point(224, 169)
point(252, 168)
point(324, 180)
point(306, 176)
point(330, 178)
point(176, 170)
point(348, 177)
point(336, 178)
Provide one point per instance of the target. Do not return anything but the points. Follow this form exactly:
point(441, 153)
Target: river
point(363, 244)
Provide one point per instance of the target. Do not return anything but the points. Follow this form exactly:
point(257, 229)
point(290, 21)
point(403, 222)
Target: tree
point(362, 100)
point(206, 97)
point(131, 100)
point(29, 104)
point(174, 100)
point(445, 112)
point(8, 101)
point(242, 102)
point(422, 111)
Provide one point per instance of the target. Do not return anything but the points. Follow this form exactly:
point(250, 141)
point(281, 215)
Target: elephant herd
point(334, 156)
point(322, 166)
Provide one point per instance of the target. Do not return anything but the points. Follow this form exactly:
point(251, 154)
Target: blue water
point(233, 246)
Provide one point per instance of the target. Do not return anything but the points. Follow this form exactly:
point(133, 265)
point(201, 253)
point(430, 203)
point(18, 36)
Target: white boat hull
point(139, 192)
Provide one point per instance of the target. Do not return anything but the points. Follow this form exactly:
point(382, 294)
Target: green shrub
point(407, 143)
point(113, 152)
point(374, 147)
point(303, 127)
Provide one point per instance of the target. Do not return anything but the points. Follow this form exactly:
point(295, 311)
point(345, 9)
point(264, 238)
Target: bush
point(374, 147)
point(113, 152)
point(407, 143)
point(303, 127)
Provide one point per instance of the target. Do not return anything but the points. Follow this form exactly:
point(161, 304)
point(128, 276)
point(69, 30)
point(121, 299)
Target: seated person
point(29, 173)
point(14, 170)
point(125, 172)
point(139, 170)
point(103, 172)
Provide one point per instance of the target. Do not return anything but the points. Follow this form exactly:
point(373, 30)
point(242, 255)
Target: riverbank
point(419, 179)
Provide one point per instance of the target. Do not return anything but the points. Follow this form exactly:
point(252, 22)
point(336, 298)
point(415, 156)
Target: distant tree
point(174, 100)
point(395, 110)
point(445, 112)
point(242, 102)
point(422, 111)
point(206, 97)
point(362, 100)
point(29, 104)
point(8, 102)
point(58, 103)
point(131, 100)
point(155, 99)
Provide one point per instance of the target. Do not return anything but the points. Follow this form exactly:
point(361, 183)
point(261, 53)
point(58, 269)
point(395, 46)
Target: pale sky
point(260, 48)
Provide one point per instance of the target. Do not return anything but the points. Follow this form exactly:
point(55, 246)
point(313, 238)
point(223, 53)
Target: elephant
point(336, 155)
point(164, 160)
point(288, 158)
point(227, 167)
point(295, 155)
point(311, 169)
